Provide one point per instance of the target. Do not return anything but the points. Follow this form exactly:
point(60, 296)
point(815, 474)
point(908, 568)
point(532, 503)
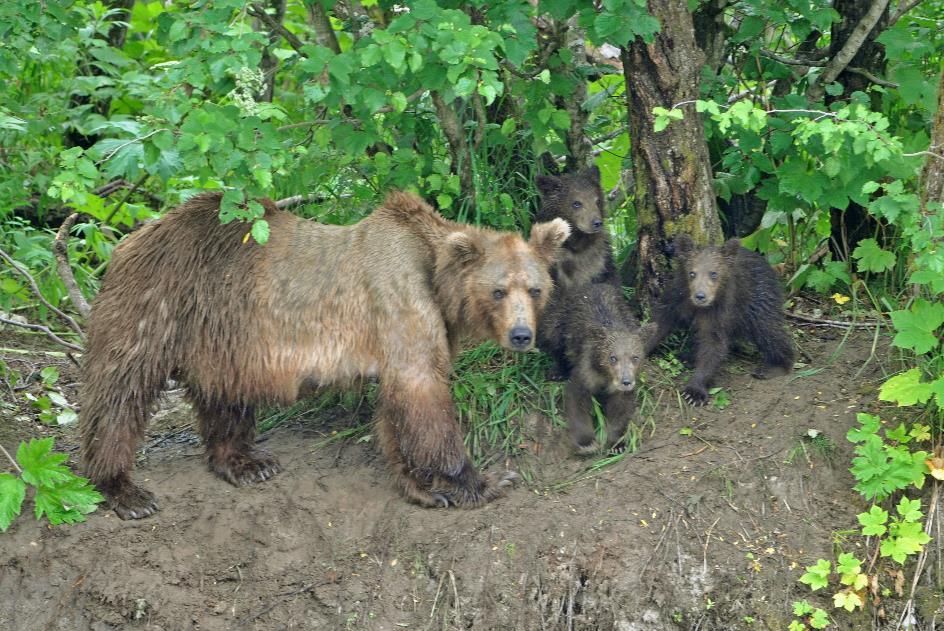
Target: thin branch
point(833, 323)
point(131, 190)
point(23, 272)
point(871, 77)
point(43, 329)
point(274, 25)
point(130, 142)
point(903, 8)
point(839, 62)
point(458, 148)
point(10, 458)
point(60, 249)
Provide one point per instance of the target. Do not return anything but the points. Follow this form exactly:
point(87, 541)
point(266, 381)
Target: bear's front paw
point(695, 395)
point(130, 501)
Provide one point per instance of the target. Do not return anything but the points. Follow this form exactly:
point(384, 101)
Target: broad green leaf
point(872, 258)
point(42, 467)
point(873, 522)
point(12, 492)
point(906, 389)
point(916, 326)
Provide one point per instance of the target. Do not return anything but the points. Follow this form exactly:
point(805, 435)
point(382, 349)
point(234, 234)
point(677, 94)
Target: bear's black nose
point(520, 336)
point(597, 223)
point(700, 296)
point(627, 381)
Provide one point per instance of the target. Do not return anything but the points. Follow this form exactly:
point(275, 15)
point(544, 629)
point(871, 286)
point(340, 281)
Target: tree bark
point(674, 192)
point(269, 64)
point(932, 176)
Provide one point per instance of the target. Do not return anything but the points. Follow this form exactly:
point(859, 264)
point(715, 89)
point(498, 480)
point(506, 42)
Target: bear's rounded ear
point(547, 184)
point(683, 244)
point(464, 248)
point(731, 247)
point(547, 239)
point(591, 173)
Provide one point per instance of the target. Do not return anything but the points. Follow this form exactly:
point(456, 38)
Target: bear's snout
point(520, 337)
point(597, 224)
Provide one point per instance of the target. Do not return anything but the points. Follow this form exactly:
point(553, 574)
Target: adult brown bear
point(242, 324)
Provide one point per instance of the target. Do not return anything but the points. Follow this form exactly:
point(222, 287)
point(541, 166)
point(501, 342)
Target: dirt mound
point(701, 529)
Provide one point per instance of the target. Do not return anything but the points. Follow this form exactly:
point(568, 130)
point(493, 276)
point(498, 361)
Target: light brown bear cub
point(591, 332)
point(241, 325)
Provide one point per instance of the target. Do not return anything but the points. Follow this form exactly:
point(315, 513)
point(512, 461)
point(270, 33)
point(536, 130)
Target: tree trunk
point(674, 192)
point(932, 177)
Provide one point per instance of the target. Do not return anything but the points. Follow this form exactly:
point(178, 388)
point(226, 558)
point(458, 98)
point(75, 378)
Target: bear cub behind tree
point(591, 332)
point(725, 294)
point(578, 199)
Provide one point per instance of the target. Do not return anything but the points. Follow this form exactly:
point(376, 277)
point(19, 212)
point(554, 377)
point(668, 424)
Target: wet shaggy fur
point(592, 334)
point(242, 325)
point(725, 294)
point(578, 199)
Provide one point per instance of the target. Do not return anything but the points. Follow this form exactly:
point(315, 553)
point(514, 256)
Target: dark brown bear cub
point(578, 199)
point(725, 294)
point(592, 334)
point(242, 325)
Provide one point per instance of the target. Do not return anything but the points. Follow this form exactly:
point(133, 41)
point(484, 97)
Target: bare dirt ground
point(708, 529)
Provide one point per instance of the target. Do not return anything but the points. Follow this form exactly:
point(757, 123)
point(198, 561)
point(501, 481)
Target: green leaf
point(819, 619)
point(817, 576)
point(909, 510)
point(260, 231)
point(916, 326)
point(802, 608)
point(67, 502)
point(848, 600)
point(508, 127)
point(873, 258)
point(906, 389)
point(12, 492)
point(40, 466)
point(870, 426)
point(49, 375)
point(873, 522)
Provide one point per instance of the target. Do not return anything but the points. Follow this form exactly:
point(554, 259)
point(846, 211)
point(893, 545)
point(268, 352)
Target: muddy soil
point(708, 526)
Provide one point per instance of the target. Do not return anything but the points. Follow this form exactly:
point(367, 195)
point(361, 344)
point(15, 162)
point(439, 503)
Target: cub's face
point(620, 357)
point(506, 282)
point(576, 198)
point(706, 268)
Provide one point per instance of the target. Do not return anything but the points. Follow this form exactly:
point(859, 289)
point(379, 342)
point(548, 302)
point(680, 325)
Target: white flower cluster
point(249, 82)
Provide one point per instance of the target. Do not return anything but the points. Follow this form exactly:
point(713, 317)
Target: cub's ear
point(648, 332)
point(591, 173)
point(464, 248)
point(547, 238)
point(731, 247)
point(683, 245)
point(548, 184)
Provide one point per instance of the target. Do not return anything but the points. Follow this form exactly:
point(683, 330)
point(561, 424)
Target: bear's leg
point(711, 350)
point(619, 408)
point(113, 423)
point(228, 431)
point(422, 442)
point(776, 349)
point(577, 408)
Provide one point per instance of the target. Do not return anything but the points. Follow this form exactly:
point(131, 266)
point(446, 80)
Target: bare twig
point(44, 329)
point(10, 458)
point(839, 62)
point(813, 63)
point(903, 8)
point(275, 26)
point(833, 323)
point(60, 249)
point(131, 190)
point(130, 142)
point(65, 317)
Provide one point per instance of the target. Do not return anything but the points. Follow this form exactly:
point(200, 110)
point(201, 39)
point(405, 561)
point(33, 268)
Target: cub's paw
point(695, 395)
point(130, 501)
point(242, 468)
point(587, 449)
point(617, 448)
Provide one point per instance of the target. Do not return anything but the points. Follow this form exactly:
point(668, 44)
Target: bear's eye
point(535, 292)
point(636, 358)
point(691, 274)
point(713, 275)
point(578, 204)
point(612, 359)
point(498, 294)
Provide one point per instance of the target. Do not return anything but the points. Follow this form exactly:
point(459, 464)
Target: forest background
point(810, 129)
